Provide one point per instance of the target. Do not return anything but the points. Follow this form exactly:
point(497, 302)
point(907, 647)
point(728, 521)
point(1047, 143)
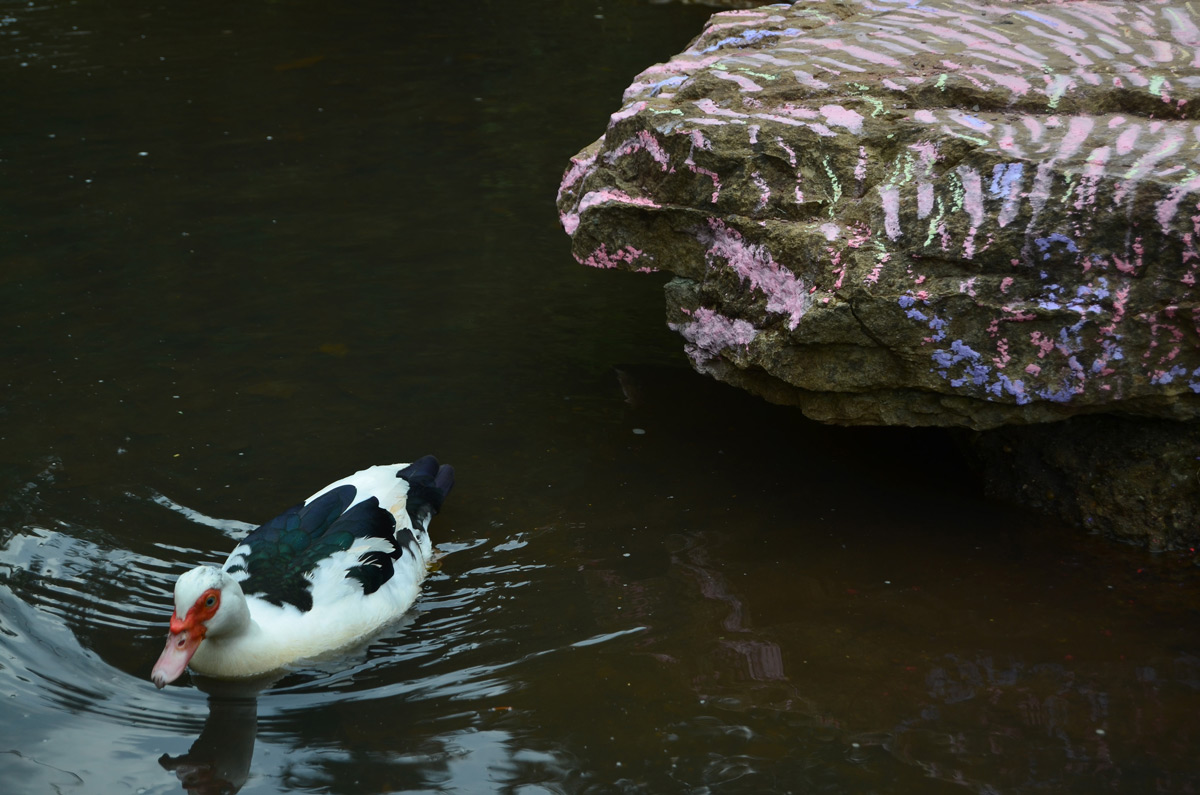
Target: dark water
point(250, 248)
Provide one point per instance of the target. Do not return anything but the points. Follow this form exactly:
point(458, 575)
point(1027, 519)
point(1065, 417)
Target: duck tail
point(428, 484)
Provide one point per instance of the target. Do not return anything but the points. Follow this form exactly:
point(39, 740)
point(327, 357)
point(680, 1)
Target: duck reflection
point(218, 763)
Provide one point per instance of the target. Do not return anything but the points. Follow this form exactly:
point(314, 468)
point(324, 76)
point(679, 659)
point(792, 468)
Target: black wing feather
point(284, 550)
point(428, 485)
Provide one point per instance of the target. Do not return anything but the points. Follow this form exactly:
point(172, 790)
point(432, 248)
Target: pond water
point(251, 248)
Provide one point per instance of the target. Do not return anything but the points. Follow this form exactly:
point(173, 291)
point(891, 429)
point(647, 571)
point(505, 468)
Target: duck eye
point(210, 601)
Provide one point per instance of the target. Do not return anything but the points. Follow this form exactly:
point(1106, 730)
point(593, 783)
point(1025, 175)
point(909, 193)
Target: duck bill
point(181, 645)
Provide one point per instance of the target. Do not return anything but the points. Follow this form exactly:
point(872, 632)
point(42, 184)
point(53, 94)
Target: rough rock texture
point(920, 213)
point(934, 213)
point(1136, 480)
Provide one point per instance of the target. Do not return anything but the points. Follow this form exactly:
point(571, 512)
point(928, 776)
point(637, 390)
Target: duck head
point(208, 604)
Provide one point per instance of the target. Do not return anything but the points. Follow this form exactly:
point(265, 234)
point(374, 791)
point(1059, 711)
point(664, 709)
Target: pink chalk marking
point(1170, 144)
point(925, 116)
point(892, 84)
point(1018, 85)
point(927, 156)
point(1096, 161)
point(1100, 16)
point(788, 109)
point(779, 119)
point(924, 199)
point(968, 287)
point(890, 196)
point(1072, 51)
point(806, 79)
point(706, 105)
point(861, 236)
point(860, 169)
point(609, 196)
point(1160, 50)
point(1017, 316)
point(973, 43)
point(1043, 344)
point(1166, 209)
point(831, 231)
point(602, 258)
point(753, 130)
point(907, 41)
point(835, 258)
point(786, 294)
point(972, 193)
point(1183, 30)
point(837, 67)
point(1034, 127)
point(716, 180)
point(1002, 358)
point(1078, 129)
point(644, 141)
point(579, 168)
point(855, 51)
point(979, 30)
point(764, 191)
point(1120, 297)
point(743, 82)
point(837, 116)
point(791, 153)
point(625, 113)
point(1033, 369)
point(1005, 283)
point(711, 333)
point(1089, 182)
point(973, 204)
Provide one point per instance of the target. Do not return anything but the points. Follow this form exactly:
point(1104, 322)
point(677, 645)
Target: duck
point(319, 577)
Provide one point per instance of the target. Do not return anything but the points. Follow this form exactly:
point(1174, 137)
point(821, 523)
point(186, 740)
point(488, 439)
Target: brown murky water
point(249, 249)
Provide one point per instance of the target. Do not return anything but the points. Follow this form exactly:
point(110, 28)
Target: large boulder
point(920, 213)
point(940, 213)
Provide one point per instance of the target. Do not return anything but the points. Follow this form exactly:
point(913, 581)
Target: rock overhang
point(920, 213)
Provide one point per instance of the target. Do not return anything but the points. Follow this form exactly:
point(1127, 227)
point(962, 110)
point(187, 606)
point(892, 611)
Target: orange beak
point(182, 643)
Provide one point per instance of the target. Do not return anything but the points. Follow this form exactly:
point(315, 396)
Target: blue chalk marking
point(1004, 176)
point(1043, 244)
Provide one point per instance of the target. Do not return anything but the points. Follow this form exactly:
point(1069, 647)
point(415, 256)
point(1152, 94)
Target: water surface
point(250, 249)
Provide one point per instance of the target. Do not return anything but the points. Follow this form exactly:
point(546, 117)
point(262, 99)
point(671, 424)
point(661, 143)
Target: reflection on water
point(218, 762)
point(249, 249)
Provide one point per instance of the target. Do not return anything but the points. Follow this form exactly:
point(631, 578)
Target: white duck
point(314, 579)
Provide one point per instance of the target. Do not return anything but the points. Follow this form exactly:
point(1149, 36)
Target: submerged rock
point(920, 213)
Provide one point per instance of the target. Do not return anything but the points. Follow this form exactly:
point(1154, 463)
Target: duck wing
point(280, 561)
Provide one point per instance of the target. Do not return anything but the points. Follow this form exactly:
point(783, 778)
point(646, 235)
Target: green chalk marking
point(957, 192)
point(833, 180)
point(935, 220)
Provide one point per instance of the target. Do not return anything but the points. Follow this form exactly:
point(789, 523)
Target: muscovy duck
point(318, 577)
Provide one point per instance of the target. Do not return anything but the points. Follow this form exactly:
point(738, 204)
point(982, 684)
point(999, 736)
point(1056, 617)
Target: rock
point(923, 213)
point(942, 213)
point(1130, 479)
